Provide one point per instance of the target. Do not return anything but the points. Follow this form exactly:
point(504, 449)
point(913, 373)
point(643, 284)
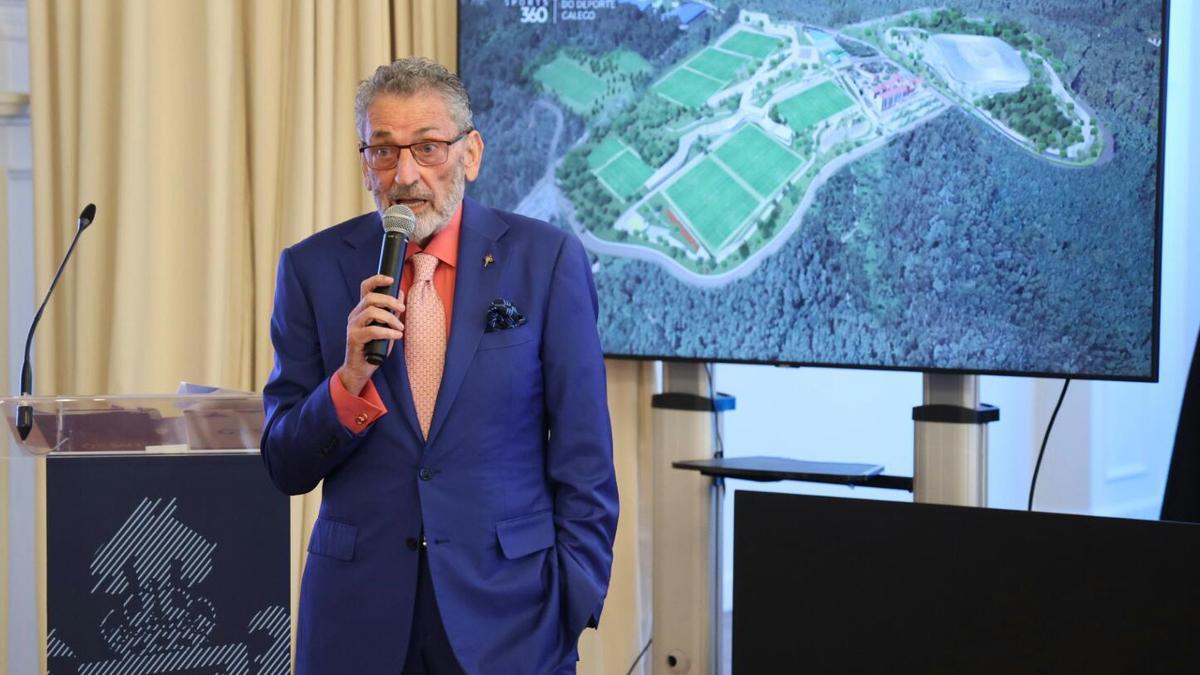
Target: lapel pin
point(488, 260)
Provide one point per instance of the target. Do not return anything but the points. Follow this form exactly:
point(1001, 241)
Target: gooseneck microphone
point(24, 410)
point(399, 223)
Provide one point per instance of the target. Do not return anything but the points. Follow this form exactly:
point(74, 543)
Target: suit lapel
point(359, 260)
point(475, 286)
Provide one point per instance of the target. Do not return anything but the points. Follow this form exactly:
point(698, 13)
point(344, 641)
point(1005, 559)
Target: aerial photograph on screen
point(879, 183)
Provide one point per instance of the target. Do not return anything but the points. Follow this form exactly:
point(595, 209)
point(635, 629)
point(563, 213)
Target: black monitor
point(833, 586)
point(966, 187)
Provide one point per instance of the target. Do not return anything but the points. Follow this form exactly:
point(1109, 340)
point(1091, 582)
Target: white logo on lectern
point(159, 624)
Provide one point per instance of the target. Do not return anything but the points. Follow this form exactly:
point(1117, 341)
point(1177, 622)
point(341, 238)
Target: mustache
point(397, 195)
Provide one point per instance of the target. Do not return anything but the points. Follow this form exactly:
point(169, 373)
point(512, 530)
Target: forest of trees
point(954, 21)
point(1033, 112)
point(975, 257)
point(647, 127)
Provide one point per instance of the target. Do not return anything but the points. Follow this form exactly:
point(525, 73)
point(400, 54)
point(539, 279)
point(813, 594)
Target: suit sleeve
point(579, 457)
point(303, 439)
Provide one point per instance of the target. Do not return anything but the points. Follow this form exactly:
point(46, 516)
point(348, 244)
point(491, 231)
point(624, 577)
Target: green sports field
point(687, 88)
point(717, 64)
point(575, 85)
point(813, 105)
point(625, 174)
point(610, 147)
point(712, 202)
point(758, 159)
point(628, 62)
point(751, 44)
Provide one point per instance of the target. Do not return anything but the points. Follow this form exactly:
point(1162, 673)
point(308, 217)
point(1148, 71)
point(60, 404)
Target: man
point(469, 502)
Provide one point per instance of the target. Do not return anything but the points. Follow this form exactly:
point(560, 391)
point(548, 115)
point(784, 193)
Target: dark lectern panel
point(829, 586)
point(166, 565)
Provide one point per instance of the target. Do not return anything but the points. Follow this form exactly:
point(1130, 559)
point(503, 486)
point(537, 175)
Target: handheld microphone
point(399, 223)
point(24, 410)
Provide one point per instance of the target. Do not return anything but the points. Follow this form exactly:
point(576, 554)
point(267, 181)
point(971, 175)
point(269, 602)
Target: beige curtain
point(210, 135)
point(625, 625)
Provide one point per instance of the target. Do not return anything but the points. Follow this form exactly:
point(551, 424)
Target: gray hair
point(412, 75)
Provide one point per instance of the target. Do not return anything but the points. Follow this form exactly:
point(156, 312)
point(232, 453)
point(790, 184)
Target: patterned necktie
point(424, 339)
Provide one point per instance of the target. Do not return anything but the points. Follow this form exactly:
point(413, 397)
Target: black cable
point(1037, 467)
point(719, 450)
point(639, 657)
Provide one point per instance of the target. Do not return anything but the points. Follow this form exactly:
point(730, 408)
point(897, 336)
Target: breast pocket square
point(501, 315)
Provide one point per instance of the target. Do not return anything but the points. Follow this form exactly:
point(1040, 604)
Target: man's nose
point(407, 169)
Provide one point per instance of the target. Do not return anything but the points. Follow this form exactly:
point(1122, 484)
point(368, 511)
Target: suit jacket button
point(425, 473)
point(411, 543)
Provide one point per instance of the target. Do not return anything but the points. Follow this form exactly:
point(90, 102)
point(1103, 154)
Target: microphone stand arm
point(25, 411)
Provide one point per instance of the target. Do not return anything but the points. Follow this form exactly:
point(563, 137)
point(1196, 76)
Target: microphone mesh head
point(399, 218)
point(86, 217)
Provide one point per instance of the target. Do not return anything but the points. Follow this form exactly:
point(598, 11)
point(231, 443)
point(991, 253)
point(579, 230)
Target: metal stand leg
point(950, 443)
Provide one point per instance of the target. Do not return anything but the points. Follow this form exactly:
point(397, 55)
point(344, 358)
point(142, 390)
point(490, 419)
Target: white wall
point(16, 281)
point(16, 169)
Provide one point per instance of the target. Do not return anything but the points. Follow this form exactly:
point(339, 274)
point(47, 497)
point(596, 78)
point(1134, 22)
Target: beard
point(433, 220)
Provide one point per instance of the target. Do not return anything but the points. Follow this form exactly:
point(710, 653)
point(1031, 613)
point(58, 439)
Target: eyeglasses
point(385, 157)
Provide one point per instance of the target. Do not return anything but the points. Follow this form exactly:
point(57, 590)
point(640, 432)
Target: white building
point(976, 65)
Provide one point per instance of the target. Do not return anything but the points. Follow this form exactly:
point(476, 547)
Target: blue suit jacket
point(514, 489)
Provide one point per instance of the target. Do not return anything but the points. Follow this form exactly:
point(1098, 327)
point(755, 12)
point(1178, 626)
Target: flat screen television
point(967, 187)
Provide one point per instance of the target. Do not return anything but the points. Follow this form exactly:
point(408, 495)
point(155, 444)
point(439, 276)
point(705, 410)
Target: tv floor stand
point(950, 441)
point(950, 467)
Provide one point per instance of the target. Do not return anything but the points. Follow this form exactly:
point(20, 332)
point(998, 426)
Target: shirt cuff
point(356, 413)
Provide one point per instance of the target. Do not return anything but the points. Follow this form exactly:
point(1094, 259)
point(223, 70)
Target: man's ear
point(366, 172)
point(474, 156)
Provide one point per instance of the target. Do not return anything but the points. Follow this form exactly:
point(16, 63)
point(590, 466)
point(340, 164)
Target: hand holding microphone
point(373, 325)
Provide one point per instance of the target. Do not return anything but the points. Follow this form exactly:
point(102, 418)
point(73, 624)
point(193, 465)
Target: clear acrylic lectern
point(141, 531)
